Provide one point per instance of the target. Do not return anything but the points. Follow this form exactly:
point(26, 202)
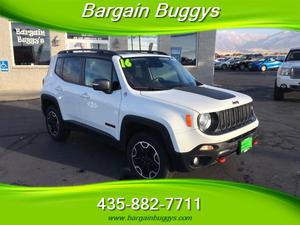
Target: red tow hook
point(255, 142)
point(221, 160)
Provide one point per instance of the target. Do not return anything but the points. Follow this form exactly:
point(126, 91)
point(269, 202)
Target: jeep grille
point(234, 118)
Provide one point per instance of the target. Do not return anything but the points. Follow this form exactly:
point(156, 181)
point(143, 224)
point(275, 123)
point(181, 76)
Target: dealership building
point(25, 53)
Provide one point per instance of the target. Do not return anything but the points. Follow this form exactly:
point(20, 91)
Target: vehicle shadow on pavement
point(24, 143)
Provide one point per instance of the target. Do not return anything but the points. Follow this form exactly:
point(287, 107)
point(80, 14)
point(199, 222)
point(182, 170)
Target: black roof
point(106, 53)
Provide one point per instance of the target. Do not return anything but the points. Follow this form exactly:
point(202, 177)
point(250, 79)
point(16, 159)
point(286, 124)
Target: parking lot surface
point(29, 157)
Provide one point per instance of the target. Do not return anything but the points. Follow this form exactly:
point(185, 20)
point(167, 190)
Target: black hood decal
point(208, 92)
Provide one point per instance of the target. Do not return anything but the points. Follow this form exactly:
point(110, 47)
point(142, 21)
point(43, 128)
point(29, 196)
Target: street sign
point(4, 66)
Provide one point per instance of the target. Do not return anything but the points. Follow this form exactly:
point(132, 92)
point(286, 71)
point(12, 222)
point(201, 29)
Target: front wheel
point(242, 67)
point(147, 157)
point(263, 68)
point(278, 93)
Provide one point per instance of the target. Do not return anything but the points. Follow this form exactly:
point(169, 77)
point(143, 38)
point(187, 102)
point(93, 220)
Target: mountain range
point(231, 41)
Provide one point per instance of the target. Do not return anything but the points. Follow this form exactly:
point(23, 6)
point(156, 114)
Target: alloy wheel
point(145, 160)
point(263, 68)
point(53, 123)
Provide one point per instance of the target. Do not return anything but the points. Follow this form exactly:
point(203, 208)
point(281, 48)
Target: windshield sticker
point(125, 63)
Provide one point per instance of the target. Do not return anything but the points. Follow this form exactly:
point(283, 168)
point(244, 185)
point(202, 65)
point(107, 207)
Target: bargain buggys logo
point(151, 17)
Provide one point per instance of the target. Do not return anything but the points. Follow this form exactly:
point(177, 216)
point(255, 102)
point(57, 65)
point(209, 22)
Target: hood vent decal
point(212, 93)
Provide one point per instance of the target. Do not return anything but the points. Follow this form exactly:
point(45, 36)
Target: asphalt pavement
point(28, 156)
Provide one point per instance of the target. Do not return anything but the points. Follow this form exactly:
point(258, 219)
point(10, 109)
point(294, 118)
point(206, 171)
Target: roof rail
point(141, 51)
point(107, 52)
point(96, 51)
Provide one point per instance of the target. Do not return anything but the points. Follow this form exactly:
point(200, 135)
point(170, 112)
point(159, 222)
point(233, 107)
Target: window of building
point(142, 43)
point(186, 45)
point(31, 46)
point(97, 69)
point(72, 69)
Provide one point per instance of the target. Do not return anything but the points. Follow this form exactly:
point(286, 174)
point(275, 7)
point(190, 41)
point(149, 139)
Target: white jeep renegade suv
point(148, 104)
point(288, 75)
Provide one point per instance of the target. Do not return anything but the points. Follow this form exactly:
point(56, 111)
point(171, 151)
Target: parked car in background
point(243, 63)
point(252, 56)
point(264, 64)
point(288, 75)
point(280, 58)
point(224, 63)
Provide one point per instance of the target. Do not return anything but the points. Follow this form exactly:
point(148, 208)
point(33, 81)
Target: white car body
point(167, 107)
point(288, 81)
point(224, 63)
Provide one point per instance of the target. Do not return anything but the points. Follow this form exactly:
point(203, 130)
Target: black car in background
point(243, 63)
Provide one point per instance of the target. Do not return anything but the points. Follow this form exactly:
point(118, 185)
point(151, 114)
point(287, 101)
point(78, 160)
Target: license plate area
point(246, 144)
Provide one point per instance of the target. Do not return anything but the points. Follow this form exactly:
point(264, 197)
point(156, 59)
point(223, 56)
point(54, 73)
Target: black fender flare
point(174, 157)
point(47, 97)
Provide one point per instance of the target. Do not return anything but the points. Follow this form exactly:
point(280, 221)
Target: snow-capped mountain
point(246, 42)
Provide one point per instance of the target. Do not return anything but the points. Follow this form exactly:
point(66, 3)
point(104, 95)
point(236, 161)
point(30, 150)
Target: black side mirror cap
point(102, 85)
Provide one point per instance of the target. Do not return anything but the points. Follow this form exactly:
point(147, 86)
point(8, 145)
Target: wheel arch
point(48, 100)
point(132, 124)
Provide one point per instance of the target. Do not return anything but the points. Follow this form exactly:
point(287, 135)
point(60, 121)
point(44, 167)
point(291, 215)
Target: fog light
point(207, 148)
point(196, 161)
point(283, 86)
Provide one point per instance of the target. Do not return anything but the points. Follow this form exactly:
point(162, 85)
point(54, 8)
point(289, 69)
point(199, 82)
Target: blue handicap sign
point(3, 65)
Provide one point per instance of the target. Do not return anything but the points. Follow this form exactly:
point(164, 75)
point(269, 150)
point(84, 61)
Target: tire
point(224, 67)
point(147, 157)
point(263, 68)
point(55, 125)
point(278, 93)
point(242, 67)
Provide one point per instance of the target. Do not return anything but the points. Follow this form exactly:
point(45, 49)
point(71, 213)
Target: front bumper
point(185, 161)
point(288, 84)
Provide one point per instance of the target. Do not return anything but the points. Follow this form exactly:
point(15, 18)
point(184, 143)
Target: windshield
point(293, 56)
point(156, 73)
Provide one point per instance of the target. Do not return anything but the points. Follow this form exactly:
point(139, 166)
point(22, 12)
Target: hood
point(202, 99)
point(291, 64)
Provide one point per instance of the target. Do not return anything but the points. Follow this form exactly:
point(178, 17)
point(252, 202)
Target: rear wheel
point(55, 125)
point(278, 93)
point(147, 157)
point(242, 67)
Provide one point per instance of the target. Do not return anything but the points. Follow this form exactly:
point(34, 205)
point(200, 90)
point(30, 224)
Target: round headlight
point(204, 121)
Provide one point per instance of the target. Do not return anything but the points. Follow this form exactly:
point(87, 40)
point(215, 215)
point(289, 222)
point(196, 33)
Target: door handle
point(85, 96)
point(59, 89)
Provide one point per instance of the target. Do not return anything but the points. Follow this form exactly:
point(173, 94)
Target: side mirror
point(102, 85)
